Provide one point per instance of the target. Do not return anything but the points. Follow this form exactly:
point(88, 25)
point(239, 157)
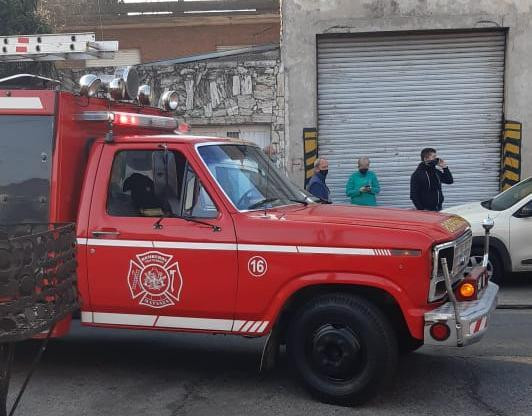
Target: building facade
point(386, 78)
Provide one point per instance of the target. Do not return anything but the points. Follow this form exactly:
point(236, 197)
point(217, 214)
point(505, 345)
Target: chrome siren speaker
point(123, 84)
point(131, 79)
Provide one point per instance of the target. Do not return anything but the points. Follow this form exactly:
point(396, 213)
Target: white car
point(511, 237)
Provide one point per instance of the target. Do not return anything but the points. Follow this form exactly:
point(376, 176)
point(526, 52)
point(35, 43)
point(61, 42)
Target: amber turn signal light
point(467, 290)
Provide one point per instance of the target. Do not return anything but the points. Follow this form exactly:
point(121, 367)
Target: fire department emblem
point(154, 279)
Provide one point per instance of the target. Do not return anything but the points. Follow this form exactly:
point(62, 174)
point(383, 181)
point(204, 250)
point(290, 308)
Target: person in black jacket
point(425, 183)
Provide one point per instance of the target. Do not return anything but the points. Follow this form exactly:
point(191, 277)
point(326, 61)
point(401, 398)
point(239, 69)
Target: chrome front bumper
point(474, 316)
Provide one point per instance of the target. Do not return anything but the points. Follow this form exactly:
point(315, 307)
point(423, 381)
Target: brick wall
point(171, 42)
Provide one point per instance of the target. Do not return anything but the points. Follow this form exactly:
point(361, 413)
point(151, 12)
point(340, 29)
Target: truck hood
point(437, 225)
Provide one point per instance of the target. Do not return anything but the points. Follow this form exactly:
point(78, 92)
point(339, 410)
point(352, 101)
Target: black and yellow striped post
point(511, 154)
point(310, 142)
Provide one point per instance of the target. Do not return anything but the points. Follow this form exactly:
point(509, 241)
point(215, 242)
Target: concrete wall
point(303, 20)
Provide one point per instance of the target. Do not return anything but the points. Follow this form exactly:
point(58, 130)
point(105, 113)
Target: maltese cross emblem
point(154, 279)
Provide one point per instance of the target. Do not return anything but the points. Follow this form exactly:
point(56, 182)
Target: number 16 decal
point(257, 266)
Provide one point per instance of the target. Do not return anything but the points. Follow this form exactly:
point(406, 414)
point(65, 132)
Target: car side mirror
point(165, 179)
point(525, 211)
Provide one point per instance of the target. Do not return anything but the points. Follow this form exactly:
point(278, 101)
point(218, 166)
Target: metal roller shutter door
point(389, 96)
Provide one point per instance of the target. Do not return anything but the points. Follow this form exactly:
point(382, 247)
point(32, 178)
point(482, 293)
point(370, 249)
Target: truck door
point(153, 271)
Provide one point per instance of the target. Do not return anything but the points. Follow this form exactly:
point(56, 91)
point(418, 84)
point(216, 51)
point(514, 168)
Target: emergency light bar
point(120, 118)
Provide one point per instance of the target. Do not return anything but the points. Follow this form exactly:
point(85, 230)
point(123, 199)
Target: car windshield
point(510, 197)
point(247, 176)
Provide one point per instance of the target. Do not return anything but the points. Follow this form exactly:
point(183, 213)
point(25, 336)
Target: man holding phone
point(425, 183)
point(363, 185)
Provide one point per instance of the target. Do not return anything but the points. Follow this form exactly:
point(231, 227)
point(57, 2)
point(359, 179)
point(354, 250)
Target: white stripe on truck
point(185, 245)
point(177, 322)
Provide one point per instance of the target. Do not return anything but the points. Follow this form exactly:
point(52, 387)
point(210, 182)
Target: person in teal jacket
point(363, 185)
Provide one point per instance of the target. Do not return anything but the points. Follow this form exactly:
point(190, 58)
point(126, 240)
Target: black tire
point(495, 265)
point(343, 348)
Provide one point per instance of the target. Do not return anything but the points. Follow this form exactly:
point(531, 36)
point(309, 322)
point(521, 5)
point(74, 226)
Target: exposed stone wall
point(234, 90)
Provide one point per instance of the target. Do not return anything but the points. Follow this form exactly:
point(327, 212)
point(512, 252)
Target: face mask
point(324, 172)
point(363, 171)
point(432, 163)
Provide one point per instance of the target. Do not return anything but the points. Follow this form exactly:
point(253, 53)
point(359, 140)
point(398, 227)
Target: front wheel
point(343, 348)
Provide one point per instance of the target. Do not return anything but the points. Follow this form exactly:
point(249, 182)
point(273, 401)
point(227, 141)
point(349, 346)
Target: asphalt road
point(516, 290)
point(116, 372)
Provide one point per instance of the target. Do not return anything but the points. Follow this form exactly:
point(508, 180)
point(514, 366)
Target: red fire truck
point(183, 233)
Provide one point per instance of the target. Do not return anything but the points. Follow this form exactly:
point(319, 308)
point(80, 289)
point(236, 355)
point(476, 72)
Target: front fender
point(413, 315)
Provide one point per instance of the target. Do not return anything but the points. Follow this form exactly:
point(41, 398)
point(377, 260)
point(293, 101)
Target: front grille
point(461, 254)
point(457, 254)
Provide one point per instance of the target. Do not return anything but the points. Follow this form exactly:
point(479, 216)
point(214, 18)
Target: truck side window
point(131, 190)
point(197, 202)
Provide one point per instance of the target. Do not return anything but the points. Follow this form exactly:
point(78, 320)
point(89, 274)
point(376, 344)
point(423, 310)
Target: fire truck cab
point(183, 233)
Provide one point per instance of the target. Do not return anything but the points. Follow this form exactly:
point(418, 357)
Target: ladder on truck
point(55, 47)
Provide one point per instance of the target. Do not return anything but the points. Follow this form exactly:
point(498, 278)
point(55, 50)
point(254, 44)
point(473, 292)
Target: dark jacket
point(317, 187)
point(425, 187)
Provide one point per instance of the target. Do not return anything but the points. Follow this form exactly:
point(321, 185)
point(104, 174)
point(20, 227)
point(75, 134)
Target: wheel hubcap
point(336, 352)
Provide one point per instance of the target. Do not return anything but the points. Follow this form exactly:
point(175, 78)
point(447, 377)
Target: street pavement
point(119, 372)
point(516, 291)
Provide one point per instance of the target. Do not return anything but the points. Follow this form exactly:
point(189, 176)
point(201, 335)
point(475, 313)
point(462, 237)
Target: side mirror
point(165, 179)
point(525, 211)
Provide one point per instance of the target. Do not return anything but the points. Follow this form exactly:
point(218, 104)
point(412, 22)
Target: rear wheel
point(495, 267)
point(343, 348)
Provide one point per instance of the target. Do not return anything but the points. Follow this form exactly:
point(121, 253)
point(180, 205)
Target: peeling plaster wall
point(303, 20)
point(237, 90)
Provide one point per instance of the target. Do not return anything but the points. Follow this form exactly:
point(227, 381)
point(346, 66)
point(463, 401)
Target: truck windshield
point(510, 197)
point(247, 177)
point(25, 162)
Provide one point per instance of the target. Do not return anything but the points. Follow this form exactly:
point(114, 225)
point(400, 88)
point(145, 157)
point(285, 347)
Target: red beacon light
point(440, 331)
point(183, 128)
point(126, 119)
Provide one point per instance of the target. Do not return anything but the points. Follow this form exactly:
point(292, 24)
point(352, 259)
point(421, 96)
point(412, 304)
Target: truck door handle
point(99, 233)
